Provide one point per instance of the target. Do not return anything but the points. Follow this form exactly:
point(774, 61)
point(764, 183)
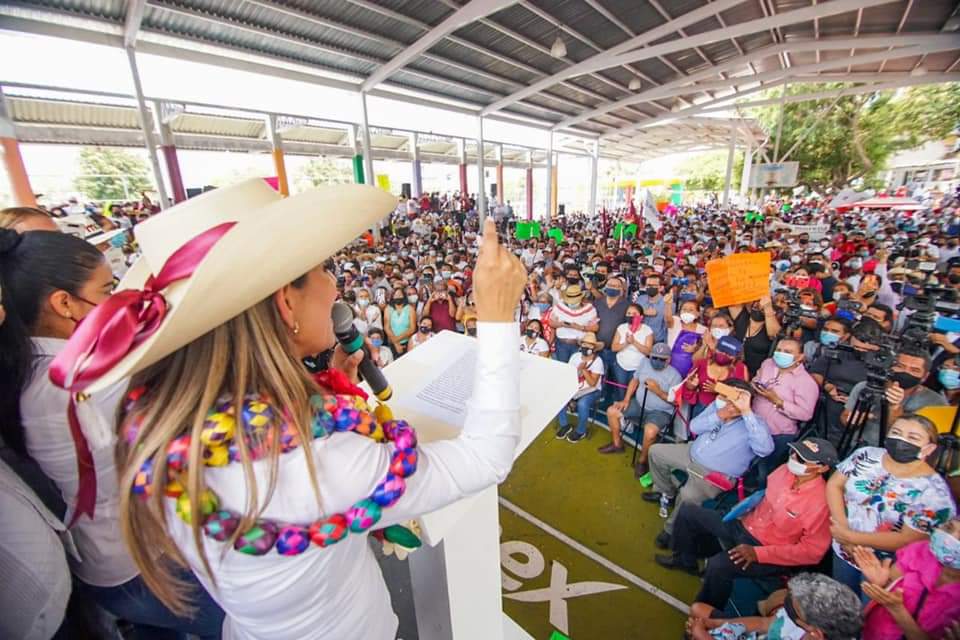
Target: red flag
point(631, 217)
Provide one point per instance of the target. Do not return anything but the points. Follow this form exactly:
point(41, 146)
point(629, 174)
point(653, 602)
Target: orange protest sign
point(739, 278)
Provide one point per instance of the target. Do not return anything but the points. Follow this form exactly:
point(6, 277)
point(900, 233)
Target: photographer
point(904, 392)
point(838, 372)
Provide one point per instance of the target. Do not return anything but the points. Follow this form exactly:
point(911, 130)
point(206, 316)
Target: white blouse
point(105, 561)
point(338, 592)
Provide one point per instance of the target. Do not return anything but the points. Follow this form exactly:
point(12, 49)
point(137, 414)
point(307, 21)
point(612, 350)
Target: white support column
point(727, 180)
point(549, 180)
point(481, 195)
point(371, 179)
point(147, 127)
point(747, 166)
point(594, 162)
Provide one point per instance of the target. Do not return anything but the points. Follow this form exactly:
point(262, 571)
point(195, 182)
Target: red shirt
point(791, 523)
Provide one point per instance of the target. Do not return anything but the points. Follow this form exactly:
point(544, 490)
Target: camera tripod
point(870, 398)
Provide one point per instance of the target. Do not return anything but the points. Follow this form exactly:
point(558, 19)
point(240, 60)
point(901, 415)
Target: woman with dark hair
point(50, 282)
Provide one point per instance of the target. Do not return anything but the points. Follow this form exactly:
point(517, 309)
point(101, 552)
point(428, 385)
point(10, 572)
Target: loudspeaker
point(405, 190)
point(561, 209)
point(493, 189)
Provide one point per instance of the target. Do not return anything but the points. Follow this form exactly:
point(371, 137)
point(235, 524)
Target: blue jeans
point(563, 351)
point(609, 359)
point(584, 405)
point(134, 602)
point(621, 376)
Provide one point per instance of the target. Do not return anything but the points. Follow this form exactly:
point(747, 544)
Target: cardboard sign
point(739, 278)
point(815, 231)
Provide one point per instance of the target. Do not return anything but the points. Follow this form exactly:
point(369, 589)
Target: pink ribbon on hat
point(111, 331)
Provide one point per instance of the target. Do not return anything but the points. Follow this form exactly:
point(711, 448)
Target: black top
point(755, 348)
point(843, 372)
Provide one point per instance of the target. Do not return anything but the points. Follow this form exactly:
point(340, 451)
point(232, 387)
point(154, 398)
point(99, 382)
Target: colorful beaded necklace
point(331, 414)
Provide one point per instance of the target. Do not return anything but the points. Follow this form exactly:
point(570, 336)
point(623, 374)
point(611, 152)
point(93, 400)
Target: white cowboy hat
point(272, 241)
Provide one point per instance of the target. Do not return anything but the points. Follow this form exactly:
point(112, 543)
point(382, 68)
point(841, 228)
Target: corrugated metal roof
point(504, 52)
point(26, 110)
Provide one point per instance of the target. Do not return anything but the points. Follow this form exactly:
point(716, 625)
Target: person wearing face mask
point(647, 393)
point(837, 374)
point(424, 333)
point(728, 437)
point(50, 282)
point(723, 364)
point(631, 344)
point(401, 322)
point(918, 596)
point(756, 326)
point(572, 318)
point(947, 378)
point(904, 392)
point(367, 315)
point(786, 397)
point(470, 325)
point(814, 607)
point(887, 498)
point(788, 527)
point(684, 336)
point(532, 342)
point(852, 271)
point(656, 307)
point(379, 351)
point(720, 324)
point(590, 376)
point(440, 307)
point(611, 307)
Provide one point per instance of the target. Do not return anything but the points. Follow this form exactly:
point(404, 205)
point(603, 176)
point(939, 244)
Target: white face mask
point(783, 628)
point(720, 402)
point(796, 467)
point(687, 318)
point(719, 332)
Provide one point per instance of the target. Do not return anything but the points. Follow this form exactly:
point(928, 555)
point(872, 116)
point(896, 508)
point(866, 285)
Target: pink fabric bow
point(107, 334)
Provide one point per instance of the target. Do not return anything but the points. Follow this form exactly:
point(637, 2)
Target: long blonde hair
point(250, 353)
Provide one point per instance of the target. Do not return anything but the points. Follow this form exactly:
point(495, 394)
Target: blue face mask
point(828, 339)
point(377, 342)
point(783, 359)
point(949, 378)
point(611, 292)
point(118, 240)
point(543, 306)
point(945, 548)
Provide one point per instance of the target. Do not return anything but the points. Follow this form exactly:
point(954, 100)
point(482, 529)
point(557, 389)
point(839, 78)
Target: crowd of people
point(772, 436)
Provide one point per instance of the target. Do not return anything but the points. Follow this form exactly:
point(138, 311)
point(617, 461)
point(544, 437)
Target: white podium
point(456, 573)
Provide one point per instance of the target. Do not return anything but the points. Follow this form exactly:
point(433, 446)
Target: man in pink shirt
point(786, 396)
point(789, 527)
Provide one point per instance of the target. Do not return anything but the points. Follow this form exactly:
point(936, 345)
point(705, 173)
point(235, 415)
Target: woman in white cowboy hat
point(234, 461)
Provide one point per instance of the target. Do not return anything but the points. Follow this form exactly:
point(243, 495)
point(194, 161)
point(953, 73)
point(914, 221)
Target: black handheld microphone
point(351, 341)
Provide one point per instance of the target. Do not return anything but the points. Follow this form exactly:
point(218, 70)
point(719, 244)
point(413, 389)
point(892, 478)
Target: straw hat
point(232, 247)
point(590, 338)
point(573, 293)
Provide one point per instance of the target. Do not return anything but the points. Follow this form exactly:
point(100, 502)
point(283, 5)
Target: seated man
point(790, 527)
point(905, 393)
point(656, 377)
point(729, 437)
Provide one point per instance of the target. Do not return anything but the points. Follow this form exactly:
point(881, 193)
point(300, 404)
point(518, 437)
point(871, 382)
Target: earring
point(296, 327)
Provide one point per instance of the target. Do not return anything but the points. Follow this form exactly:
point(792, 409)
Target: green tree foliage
point(708, 171)
point(840, 140)
point(321, 171)
point(112, 174)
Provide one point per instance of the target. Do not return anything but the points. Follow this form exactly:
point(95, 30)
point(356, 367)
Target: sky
point(89, 67)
